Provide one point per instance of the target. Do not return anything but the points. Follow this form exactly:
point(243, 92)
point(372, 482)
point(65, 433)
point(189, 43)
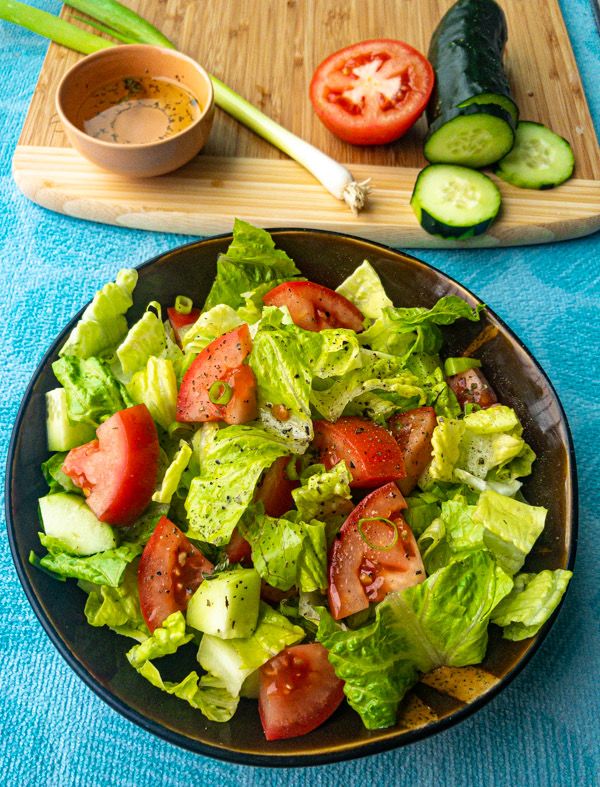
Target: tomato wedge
point(222, 362)
point(181, 322)
point(274, 490)
point(370, 558)
point(472, 387)
point(413, 431)
point(118, 470)
point(171, 568)
point(299, 690)
point(314, 307)
point(372, 92)
point(369, 451)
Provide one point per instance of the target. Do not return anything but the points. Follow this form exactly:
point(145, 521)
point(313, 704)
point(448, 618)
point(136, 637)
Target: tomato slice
point(413, 431)
point(314, 307)
point(299, 690)
point(171, 568)
point(238, 550)
point(274, 490)
point(181, 322)
point(118, 470)
point(372, 92)
point(471, 387)
point(369, 451)
point(222, 361)
point(361, 573)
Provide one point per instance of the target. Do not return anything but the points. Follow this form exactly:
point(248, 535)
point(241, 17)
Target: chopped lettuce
point(442, 621)
point(103, 325)
point(207, 694)
point(325, 496)
point(532, 600)
point(156, 387)
point(288, 553)
point(364, 289)
point(229, 471)
point(117, 607)
point(93, 392)
point(145, 339)
point(233, 660)
point(251, 260)
point(103, 568)
point(55, 478)
point(209, 326)
point(172, 476)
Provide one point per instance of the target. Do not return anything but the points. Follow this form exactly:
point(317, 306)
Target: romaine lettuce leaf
point(364, 289)
point(233, 660)
point(288, 553)
point(103, 568)
point(442, 621)
point(146, 338)
point(230, 468)
point(103, 325)
point(172, 476)
point(325, 496)
point(117, 607)
point(532, 600)
point(93, 392)
point(209, 326)
point(55, 478)
point(156, 387)
point(207, 694)
point(251, 260)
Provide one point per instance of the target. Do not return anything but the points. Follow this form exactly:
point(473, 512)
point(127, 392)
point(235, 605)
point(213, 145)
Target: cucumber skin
point(466, 53)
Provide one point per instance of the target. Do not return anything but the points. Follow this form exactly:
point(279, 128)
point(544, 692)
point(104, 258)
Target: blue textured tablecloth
point(542, 730)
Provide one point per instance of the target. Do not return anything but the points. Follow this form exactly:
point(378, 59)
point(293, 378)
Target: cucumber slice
point(226, 605)
point(454, 202)
point(471, 136)
point(69, 519)
point(63, 434)
point(494, 98)
point(540, 159)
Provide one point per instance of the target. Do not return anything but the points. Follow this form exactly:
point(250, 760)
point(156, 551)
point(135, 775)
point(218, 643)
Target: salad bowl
point(442, 698)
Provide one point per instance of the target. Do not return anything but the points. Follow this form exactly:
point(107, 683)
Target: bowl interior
point(98, 655)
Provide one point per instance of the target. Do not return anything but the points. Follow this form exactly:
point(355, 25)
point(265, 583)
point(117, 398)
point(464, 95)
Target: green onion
point(220, 392)
point(177, 429)
point(121, 22)
point(155, 308)
point(183, 304)
point(291, 471)
point(457, 365)
point(105, 29)
point(379, 547)
point(311, 470)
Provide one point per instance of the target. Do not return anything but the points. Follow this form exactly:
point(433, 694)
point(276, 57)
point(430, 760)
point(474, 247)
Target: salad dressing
point(137, 110)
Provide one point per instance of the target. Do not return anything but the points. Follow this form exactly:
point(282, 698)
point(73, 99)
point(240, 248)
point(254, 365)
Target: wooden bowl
point(148, 158)
point(442, 699)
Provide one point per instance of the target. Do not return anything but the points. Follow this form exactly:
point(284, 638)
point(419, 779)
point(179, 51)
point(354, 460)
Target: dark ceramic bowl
point(444, 698)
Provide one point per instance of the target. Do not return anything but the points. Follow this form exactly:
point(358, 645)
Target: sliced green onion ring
point(291, 471)
point(154, 306)
point(378, 547)
point(177, 429)
point(220, 392)
point(183, 304)
point(454, 366)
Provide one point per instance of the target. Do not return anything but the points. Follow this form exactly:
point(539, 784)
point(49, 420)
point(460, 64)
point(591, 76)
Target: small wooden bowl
point(107, 65)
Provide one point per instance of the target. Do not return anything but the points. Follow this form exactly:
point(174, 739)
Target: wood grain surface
point(267, 51)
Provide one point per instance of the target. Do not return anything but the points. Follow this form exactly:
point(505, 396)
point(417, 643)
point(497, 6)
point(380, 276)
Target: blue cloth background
point(542, 730)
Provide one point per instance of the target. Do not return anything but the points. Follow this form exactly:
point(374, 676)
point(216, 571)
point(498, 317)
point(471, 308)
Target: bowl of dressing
point(137, 110)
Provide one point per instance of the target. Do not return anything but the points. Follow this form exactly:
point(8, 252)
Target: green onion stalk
point(123, 24)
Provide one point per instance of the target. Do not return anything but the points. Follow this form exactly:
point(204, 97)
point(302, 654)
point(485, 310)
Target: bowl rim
point(324, 755)
point(126, 146)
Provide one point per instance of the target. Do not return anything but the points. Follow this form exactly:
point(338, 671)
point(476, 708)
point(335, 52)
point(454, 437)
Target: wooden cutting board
point(267, 50)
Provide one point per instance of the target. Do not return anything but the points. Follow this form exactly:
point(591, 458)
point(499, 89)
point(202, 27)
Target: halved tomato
point(118, 470)
point(171, 569)
point(372, 92)
point(274, 490)
point(413, 431)
point(299, 690)
point(369, 451)
point(219, 373)
point(472, 387)
point(314, 307)
point(181, 322)
point(374, 553)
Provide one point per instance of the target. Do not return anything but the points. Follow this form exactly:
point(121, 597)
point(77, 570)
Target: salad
point(291, 481)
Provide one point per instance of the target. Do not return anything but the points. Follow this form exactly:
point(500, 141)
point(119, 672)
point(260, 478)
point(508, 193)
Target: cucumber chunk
point(63, 434)
point(454, 202)
point(471, 136)
point(227, 605)
point(540, 159)
point(69, 519)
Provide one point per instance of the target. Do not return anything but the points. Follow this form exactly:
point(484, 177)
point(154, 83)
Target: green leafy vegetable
point(103, 568)
point(211, 324)
point(156, 387)
point(364, 289)
point(325, 496)
point(173, 474)
point(145, 339)
point(117, 607)
point(55, 478)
